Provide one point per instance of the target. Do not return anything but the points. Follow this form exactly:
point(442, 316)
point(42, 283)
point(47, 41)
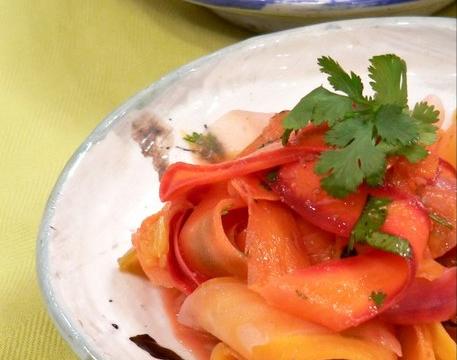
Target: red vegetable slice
point(343, 293)
point(180, 177)
point(299, 187)
point(440, 198)
point(426, 301)
point(251, 187)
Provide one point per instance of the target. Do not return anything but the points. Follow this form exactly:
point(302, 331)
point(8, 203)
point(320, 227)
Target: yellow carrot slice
point(320, 347)
point(129, 263)
point(223, 352)
point(443, 345)
point(416, 343)
point(238, 316)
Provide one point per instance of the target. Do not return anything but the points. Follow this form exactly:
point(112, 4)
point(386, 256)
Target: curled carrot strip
point(152, 245)
point(181, 177)
point(203, 241)
point(272, 242)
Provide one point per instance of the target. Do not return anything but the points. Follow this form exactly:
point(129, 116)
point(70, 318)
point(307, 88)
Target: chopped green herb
point(378, 298)
point(373, 216)
point(206, 145)
point(364, 130)
point(272, 176)
point(440, 220)
point(390, 243)
point(301, 294)
point(346, 252)
point(366, 230)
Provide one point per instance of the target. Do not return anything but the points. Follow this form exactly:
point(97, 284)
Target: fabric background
point(64, 65)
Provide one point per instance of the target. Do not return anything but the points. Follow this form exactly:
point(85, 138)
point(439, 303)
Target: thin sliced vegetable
point(321, 347)
point(223, 352)
point(343, 293)
point(181, 177)
point(204, 244)
point(251, 187)
point(445, 348)
point(129, 263)
point(426, 301)
point(272, 242)
point(239, 317)
point(439, 198)
point(270, 134)
point(152, 245)
point(377, 332)
point(416, 342)
point(299, 187)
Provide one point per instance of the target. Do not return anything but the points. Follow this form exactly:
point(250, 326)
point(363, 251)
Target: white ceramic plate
point(271, 15)
point(108, 186)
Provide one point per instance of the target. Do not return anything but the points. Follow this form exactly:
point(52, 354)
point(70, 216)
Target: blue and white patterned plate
point(271, 15)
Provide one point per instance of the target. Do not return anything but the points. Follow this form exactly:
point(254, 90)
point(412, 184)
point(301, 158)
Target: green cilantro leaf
point(389, 243)
point(206, 145)
point(414, 153)
point(388, 75)
point(373, 216)
point(272, 176)
point(378, 298)
point(405, 129)
point(340, 80)
point(364, 131)
point(366, 230)
point(347, 167)
point(319, 106)
point(441, 220)
point(425, 116)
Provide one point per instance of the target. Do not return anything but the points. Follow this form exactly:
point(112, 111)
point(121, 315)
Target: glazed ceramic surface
point(109, 186)
point(271, 15)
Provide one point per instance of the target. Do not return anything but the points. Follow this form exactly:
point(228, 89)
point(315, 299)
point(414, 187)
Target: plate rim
point(63, 323)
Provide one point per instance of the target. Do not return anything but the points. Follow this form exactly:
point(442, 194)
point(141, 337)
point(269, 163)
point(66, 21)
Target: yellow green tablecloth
point(63, 66)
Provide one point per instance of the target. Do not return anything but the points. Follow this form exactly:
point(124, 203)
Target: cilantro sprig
point(367, 230)
point(206, 145)
point(378, 298)
point(363, 130)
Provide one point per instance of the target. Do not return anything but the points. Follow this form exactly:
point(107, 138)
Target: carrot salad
point(331, 236)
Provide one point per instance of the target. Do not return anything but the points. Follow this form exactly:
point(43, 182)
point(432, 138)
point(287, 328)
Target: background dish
point(108, 186)
point(271, 15)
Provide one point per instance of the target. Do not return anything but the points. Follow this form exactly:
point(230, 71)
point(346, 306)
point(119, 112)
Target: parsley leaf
point(378, 298)
point(366, 231)
point(363, 131)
